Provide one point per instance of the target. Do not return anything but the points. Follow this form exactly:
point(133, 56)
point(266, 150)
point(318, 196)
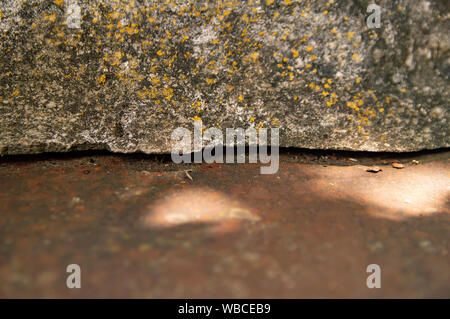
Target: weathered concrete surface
point(141, 228)
point(129, 72)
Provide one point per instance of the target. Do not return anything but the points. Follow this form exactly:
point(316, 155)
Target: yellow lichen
point(350, 35)
point(352, 105)
point(101, 79)
point(50, 17)
point(254, 56)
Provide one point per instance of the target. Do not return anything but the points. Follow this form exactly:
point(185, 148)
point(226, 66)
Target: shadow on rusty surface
point(139, 227)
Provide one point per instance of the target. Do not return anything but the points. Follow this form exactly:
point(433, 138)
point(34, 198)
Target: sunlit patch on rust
point(393, 194)
point(221, 213)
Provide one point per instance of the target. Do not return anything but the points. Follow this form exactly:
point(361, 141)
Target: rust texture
point(140, 226)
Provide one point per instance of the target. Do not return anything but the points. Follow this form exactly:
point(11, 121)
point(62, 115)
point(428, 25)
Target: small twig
point(188, 175)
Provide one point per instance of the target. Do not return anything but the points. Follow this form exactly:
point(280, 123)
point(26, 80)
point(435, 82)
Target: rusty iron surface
point(140, 226)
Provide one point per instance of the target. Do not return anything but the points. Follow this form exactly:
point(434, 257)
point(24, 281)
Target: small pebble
point(373, 169)
point(398, 165)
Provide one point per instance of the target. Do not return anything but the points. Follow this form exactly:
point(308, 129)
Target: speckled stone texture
point(122, 75)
